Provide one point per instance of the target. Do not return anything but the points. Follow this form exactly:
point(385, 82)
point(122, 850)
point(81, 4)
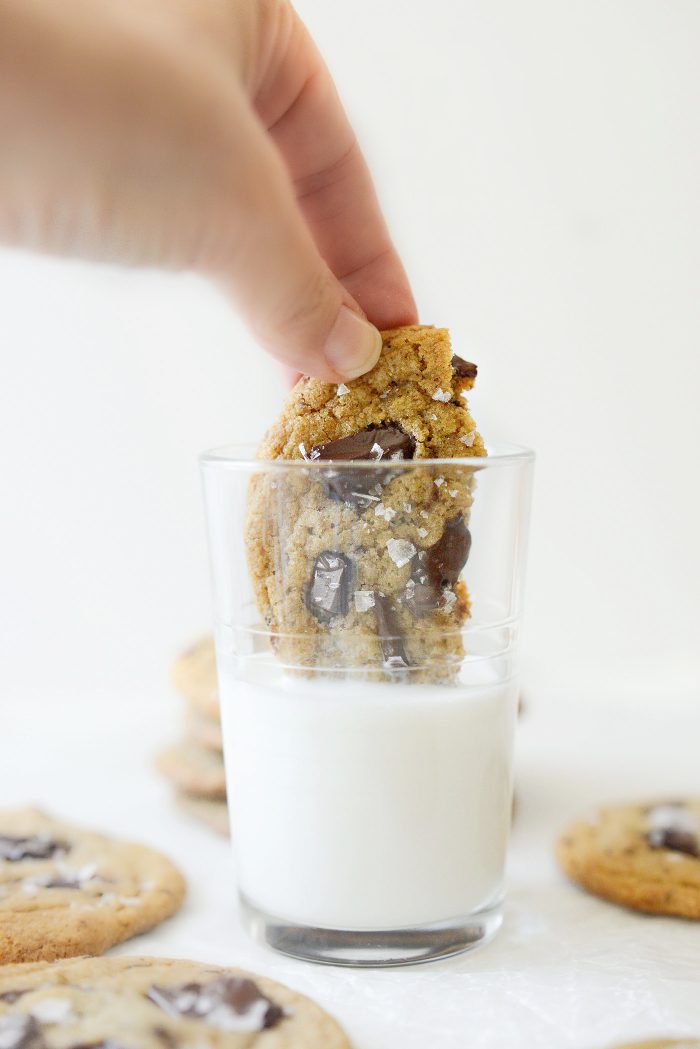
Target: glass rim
point(242, 456)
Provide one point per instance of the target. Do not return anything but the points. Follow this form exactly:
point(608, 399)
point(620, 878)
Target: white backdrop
point(539, 164)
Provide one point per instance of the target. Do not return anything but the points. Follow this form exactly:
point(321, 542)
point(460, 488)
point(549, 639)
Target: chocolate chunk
point(445, 559)
point(230, 1003)
point(20, 1032)
point(439, 568)
point(37, 847)
point(328, 593)
point(422, 597)
point(463, 369)
point(390, 638)
point(674, 838)
point(375, 445)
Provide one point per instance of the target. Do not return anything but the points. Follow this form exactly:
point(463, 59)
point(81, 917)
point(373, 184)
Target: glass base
point(372, 949)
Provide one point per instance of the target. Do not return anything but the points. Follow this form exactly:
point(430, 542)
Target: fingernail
point(353, 346)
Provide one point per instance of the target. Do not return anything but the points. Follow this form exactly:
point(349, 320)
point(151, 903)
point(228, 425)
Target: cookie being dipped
point(360, 565)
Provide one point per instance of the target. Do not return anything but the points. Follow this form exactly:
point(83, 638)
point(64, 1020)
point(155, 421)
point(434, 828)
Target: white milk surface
point(358, 805)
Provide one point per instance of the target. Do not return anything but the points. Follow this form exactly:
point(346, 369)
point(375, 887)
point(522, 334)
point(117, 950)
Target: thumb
point(271, 268)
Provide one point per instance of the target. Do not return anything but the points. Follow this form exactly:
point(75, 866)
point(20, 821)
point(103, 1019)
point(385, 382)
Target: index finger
point(301, 109)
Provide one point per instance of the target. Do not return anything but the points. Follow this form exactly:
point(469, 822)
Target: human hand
point(205, 135)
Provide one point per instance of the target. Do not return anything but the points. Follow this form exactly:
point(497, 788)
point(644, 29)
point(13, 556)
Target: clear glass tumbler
point(367, 617)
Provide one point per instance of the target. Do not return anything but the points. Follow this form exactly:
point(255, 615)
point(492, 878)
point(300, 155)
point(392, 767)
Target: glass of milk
point(368, 781)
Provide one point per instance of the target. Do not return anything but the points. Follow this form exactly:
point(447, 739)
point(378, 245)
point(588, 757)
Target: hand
point(199, 134)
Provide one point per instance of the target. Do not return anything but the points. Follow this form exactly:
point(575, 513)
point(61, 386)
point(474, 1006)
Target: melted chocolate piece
point(445, 559)
point(390, 638)
point(20, 1032)
point(439, 568)
point(11, 996)
point(373, 445)
point(230, 1003)
point(674, 838)
point(37, 847)
point(328, 593)
point(463, 369)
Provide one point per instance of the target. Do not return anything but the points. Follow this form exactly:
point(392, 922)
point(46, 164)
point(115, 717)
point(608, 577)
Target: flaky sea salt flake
point(342, 389)
point(439, 481)
point(442, 395)
point(468, 438)
point(400, 551)
point(422, 532)
point(364, 600)
point(376, 452)
point(53, 1011)
point(450, 598)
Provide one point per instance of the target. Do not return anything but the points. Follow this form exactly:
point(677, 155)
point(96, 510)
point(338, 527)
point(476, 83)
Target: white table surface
point(567, 971)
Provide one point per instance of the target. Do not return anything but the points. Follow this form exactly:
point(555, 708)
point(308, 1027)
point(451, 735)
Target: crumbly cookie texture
point(149, 1003)
point(194, 769)
point(643, 856)
point(66, 891)
point(360, 567)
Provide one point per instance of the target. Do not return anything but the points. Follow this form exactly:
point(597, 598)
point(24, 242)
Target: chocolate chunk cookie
point(210, 811)
point(194, 769)
point(66, 891)
point(203, 729)
point(355, 560)
point(662, 1043)
point(642, 856)
point(193, 674)
point(155, 1003)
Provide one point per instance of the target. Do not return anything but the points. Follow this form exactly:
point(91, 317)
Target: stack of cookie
point(195, 765)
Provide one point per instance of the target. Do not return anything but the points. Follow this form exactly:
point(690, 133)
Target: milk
point(359, 805)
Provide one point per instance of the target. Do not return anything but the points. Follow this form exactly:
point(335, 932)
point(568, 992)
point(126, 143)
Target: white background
point(539, 163)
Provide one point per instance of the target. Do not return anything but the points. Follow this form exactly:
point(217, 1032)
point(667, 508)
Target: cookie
point(213, 813)
point(662, 1043)
point(152, 1003)
point(194, 769)
point(361, 568)
point(66, 891)
point(642, 856)
point(203, 729)
point(193, 674)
